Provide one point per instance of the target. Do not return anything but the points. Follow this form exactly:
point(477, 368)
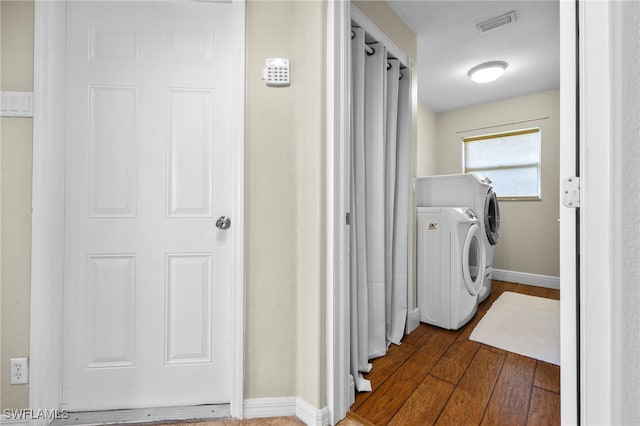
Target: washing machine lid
point(492, 217)
point(473, 260)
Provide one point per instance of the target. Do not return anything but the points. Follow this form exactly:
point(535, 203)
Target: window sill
point(519, 198)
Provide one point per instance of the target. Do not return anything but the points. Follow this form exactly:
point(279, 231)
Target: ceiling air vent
point(498, 21)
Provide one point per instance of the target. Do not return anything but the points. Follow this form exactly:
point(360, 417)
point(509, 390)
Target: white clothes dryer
point(468, 189)
point(451, 264)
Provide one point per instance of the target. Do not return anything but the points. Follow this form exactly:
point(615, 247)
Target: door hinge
point(348, 218)
point(571, 192)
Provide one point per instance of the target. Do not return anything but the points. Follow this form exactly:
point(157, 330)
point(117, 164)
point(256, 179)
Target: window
point(511, 160)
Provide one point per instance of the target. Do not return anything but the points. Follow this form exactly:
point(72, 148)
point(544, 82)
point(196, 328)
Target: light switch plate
point(16, 104)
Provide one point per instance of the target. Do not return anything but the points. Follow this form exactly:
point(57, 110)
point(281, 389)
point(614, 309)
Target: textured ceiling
point(449, 44)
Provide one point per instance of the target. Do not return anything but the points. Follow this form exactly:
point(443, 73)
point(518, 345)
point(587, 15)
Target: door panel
point(188, 282)
point(190, 147)
point(110, 299)
point(147, 172)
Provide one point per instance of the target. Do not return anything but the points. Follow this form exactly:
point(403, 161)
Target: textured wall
point(16, 137)
point(626, 212)
point(529, 230)
point(310, 136)
point(285, 207)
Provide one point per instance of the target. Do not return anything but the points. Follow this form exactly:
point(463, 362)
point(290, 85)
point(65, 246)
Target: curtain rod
point(370, 51)
point(503, 124)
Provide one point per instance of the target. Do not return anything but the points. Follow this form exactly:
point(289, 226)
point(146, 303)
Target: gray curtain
point(380, 182)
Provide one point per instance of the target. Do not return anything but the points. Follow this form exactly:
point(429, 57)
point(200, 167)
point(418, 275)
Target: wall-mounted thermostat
point(276, 72)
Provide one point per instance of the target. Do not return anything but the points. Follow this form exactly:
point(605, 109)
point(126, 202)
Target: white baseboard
point(413, 321)
point(310, 415)
point(269, 407)
point(537, 280)
point(286, 406)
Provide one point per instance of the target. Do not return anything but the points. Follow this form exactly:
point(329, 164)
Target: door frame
point(568, 249)
point(575, 398)
point(45, 391)
point(339, 388)
point(599, 372)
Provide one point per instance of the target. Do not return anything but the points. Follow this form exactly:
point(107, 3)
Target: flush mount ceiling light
point(487, 72)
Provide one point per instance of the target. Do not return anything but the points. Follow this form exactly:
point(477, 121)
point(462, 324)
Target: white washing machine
point(468, 189)
point(451, 264)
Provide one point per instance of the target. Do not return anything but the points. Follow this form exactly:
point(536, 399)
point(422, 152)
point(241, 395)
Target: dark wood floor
point(438, 376)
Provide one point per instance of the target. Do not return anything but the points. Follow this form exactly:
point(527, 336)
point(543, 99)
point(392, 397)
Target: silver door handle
point(223, 222)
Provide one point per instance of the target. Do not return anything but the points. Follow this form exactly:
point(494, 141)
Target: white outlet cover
point(19, 373)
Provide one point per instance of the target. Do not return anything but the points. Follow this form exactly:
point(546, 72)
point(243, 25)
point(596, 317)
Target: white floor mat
point(526, 325)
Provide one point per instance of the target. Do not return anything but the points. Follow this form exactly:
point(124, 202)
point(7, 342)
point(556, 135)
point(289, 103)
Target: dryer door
point(473, 260)
point(492, 217)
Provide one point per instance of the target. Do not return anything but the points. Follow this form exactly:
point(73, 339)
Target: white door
point(148, 171)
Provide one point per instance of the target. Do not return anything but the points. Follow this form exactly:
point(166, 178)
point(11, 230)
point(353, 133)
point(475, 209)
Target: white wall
point(529, 230)
point(426, 158)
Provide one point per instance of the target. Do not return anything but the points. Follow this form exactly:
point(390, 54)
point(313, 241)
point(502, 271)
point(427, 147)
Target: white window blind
point(511, 160)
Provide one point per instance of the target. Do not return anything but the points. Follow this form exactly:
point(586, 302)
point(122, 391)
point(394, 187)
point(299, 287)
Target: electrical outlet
point(19, 371)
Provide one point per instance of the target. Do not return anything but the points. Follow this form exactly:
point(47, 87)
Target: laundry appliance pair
point(458, 228)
